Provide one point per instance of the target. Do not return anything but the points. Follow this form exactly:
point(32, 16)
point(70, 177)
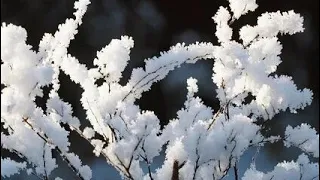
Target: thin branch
point(222, 109)
point(219, 165)
point(64, 157)
point(302, 142)
point(198, 157)
point(265, 109)
point(135, 148)
point(37, 176)
point(134, 87)
point(44, 161)
point(215, 117)
point(235, 169)
point(195, 117)
point(43, 137)
point(129, 176)
point(7, 124)
point(147, 161)
point(300, 171)
point(209, 160)
point(125, 123)
point(102, 152)
point(225, 172)
point(253, 160)
point(103, 134)
point(33, 88)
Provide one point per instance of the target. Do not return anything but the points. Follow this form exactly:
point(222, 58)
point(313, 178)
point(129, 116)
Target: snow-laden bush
point(200, 143)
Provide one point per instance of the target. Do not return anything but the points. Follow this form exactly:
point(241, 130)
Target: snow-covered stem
point(47, 141)
point(131, 135)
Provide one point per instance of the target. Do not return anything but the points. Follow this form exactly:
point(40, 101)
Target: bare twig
point(235, 169)
point(44, 161)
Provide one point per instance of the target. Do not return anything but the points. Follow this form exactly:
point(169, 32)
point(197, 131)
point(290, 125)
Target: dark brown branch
point(129, 175)
point(215, 117)
point(37, 132)
point(127, 168)
point(222, 109)
point(175, 170)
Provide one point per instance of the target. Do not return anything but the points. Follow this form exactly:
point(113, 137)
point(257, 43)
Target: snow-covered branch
point(303, 137)
point(200, 143)
point(302, 169)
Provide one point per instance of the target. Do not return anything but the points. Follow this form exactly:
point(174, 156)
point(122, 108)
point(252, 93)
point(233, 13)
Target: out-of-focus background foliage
point(155, 26)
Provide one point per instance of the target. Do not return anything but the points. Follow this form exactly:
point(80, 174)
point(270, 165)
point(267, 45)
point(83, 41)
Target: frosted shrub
point(199, 143)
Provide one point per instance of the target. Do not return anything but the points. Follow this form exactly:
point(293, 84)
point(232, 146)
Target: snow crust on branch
point(131, 136)
point(270, 24)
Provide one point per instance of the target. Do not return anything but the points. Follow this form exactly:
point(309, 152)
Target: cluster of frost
point(302, 169)
point(200, 143)
point(304, 137)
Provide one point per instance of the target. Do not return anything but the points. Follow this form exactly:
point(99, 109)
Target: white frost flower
point(192, 85)
point(88, 133)
point(240, 7)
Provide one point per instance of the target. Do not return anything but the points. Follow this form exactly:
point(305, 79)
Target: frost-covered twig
point(64, 156)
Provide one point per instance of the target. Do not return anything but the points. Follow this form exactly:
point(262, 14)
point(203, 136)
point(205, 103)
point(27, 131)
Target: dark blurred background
point(155, 26)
